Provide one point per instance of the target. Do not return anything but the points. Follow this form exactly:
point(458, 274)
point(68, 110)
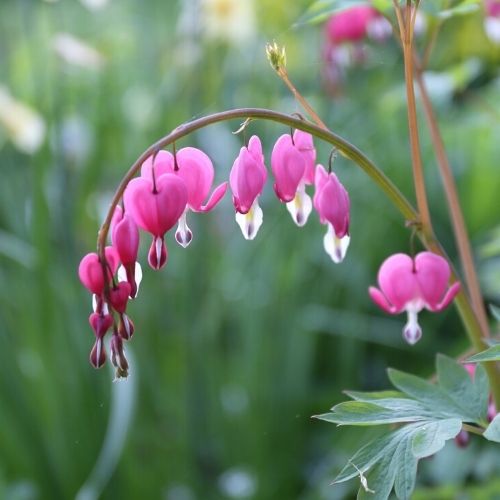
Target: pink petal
point(247, 180)
point(397, 280)
point(448, 297)
point(433, 273)
point(197, 171)
point(163, 164)
point(380, 299)
point(305, 144)
point(288, 167)
point(215, 197)
point(125, 238)
point(255, 148)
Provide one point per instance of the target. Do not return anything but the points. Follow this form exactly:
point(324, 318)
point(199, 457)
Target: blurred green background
point(237, 343)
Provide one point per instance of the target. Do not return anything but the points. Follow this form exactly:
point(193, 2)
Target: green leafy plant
point(425, 416)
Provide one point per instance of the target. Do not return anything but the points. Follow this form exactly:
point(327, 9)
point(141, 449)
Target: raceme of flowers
point(169, 188)
point(172, 186)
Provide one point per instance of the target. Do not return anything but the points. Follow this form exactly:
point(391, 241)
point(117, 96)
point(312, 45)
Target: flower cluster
point(169, 187)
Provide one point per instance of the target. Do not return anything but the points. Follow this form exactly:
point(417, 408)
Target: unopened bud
point(118, 356)
point(276, 55)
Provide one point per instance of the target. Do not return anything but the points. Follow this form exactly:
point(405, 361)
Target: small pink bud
point(90, 270)
point(98, 354)
point(119, 295)
point(126, 327)
point(125, 239)
point(158, 254)
point(100, 323)
point(118, 358)
point(462, 439)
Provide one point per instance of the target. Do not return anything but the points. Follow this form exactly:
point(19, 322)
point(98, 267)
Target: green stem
point(345, 148)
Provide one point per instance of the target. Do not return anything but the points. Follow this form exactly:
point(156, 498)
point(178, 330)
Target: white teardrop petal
point(250, 222)
point(335, 247)
point(300, 207)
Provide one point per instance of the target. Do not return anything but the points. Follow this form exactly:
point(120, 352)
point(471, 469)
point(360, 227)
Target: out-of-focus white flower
point(25, 127)
point(94, 5)
point(229, 20)
point(76, 52)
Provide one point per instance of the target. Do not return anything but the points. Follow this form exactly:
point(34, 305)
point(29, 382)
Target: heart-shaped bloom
point(156, 205)
point(411, 285)
point(247, 178)
point(350, 25)
point(292, 163)
point(195, 168)
point(90, 270)
point(125, 239)
point(331, 201)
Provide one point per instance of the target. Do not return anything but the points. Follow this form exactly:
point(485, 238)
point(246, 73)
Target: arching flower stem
point(347, 150)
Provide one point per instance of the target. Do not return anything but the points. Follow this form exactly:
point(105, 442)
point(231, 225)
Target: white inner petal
point(412, 331)
point(105, 309)
point(158, 246)
point(335, 247)
point(301, 206)
point(250, 222)
point(183, 235)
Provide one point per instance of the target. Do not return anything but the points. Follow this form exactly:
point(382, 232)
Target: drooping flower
point(195, 168)
point(247, 178)
point(90, 270)
point(411, 285)
point(292, 163)
point(331, 201)
point(125, 239)
point(156, 205)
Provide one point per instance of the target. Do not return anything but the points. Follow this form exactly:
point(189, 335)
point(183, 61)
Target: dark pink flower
point(195, 168)
point(125, 239)
point(292, 163)
point(156, 205)
point(247, 179)
point(331, 201)
point(90, 270)
point(411, 285)
point(350, 25)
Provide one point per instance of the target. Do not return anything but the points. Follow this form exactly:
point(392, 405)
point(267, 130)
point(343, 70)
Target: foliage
point(432, 414)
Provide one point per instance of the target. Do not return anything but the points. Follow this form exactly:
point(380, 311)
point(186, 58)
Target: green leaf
point(458, 384)
point(431, 437)
point(429, 394)
point(374, 396)
point(461, 9)
point(493, 431)
point(405, 465)
point(379, 480)
point(491, 354)
point(321, 10)
point(361, 413)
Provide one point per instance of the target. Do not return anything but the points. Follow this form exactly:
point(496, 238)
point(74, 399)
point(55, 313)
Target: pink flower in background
point(492, 20)
point(156, 205)
point(292, 162)
point(350, 25)
point(195, 168)
point(331, 201)
point(411, 285)
point(247, 179)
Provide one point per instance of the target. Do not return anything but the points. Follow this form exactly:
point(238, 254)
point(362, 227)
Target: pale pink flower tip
point(411, 285)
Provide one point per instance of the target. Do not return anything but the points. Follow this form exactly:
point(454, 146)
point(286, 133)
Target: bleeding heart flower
point(247, 178)
point(411, 285)
point(331, 201)
point(195, 168)
point(125, 239)
point(100, 323)
point(156, 205)
point(292, 162)
point(90, 270)
point(492, 20)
